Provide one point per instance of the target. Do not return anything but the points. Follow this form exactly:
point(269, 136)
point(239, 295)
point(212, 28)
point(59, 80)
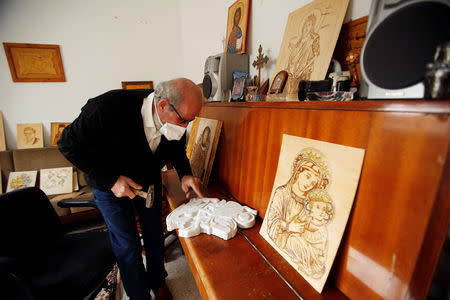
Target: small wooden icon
point(278, 83)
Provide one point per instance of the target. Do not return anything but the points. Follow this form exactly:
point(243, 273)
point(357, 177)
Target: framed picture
point(56, 180)
point(30, 136)
point(278, 82)
point(308, 43)
point(237, 26)
point(134, 85)
point(19, 180)
point(2, 134)
point(56, 131)
point(239, 86)
point(202, 146)
point(311, 200)
point(34, 62)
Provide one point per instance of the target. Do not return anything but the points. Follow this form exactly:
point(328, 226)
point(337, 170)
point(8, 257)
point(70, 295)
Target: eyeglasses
point(179, 116)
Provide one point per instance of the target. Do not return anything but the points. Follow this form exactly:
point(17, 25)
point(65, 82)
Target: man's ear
point(163, 104)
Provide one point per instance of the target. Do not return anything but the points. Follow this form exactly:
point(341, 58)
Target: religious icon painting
point(237, 27)
point(20, 180)
point(202, 146)
point(56, 131)
point(311, 200)
point(30, 136)
point(308, 43)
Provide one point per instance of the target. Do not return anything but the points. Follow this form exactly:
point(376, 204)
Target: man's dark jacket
point(107, 140)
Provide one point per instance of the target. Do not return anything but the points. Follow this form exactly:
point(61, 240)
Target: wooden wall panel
point(406, 150)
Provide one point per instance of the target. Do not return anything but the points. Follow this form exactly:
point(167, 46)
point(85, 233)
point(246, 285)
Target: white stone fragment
point(211, 216)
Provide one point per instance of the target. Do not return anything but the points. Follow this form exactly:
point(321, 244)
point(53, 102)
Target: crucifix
point(260, 60)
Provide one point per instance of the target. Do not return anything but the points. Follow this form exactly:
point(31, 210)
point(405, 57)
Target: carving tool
point(149, 196)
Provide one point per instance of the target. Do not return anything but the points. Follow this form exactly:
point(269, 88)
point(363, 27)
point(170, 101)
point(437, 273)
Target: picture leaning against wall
point(308, 43)
point(311, 199)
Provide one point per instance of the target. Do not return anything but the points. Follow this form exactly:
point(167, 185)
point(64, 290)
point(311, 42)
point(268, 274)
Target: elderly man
point(121, 140)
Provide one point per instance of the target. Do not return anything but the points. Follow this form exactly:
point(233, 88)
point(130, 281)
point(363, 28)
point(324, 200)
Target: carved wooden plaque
point(34, 62)
point(30, 136)
point(308, 43)
point(202, 146)
point(311, 199)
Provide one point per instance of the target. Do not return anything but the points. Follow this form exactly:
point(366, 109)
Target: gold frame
point(34, 62)
point(133, 85)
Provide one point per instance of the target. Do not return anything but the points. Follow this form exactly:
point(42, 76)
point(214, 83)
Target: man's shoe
point(163, 293)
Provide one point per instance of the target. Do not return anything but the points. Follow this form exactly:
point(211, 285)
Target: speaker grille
point(397, 51)
point(207, 86)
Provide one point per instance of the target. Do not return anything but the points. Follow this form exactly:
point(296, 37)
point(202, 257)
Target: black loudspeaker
point(401, 40)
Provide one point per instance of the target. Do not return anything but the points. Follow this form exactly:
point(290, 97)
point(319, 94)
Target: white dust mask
point(172, 132)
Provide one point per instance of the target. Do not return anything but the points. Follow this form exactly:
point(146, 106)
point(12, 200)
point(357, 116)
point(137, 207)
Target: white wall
point(203, 30)
point(104, 42)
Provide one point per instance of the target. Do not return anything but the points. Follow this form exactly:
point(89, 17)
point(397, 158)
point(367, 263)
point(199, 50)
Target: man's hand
point(188, 182)
point(122, 187)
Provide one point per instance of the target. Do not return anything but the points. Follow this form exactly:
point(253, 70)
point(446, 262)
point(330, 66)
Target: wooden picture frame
point(278, 82)
point(239, 13)
point(135, 85)
point(2, 134)
point(56, 131)
point(34, 62)
point(30, 136)
point(202, 146)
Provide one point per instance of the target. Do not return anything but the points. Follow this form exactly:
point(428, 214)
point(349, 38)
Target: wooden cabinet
point(402, 207)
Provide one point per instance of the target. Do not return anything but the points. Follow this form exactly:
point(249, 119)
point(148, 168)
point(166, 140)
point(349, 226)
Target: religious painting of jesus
point(237, 27)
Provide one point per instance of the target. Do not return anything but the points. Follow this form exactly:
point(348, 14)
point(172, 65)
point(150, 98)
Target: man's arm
point(81, 144)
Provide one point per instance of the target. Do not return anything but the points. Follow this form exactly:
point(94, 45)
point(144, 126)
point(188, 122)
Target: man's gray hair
point(168, 90)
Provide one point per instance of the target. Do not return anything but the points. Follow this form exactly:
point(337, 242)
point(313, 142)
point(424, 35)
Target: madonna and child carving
point(310, 204)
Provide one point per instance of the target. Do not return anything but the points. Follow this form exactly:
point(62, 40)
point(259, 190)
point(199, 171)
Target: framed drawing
point(2, 134)
point(34, 62)
point(56, 180)
point(311, 199)
point(202, 146)
point(133, 85)
point(237, 26)
point(19, 180)
point(309, 39)
point(56, 131)
point(278, 82)
point(30, 136)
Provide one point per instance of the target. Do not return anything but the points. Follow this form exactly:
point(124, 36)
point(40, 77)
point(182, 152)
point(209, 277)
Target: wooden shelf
point(407, 106)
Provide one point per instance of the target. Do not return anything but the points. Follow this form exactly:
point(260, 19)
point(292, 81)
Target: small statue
point(260, 60)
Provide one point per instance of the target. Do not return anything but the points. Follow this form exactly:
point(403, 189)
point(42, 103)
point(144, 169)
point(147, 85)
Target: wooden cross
point(260, 60)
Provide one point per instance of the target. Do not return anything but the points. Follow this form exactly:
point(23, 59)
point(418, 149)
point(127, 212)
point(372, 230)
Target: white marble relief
point(210, 216)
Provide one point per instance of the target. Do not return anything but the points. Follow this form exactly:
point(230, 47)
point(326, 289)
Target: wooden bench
point(399, 219)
